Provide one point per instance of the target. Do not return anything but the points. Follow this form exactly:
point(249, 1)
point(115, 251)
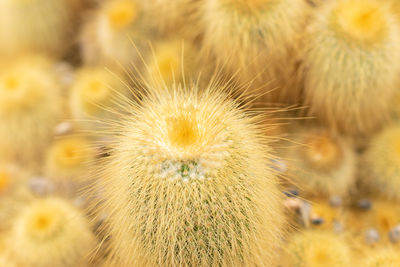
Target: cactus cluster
point(199, 133)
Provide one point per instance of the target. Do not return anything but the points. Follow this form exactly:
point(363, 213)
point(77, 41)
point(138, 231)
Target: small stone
point(40, 186)
point(279, 165)
point(364, 204)
point(65, 72)
point(372, 236)
point(305, 211)
point(292, 193)
point(335, 201)
point(63, 128)
point(317, 221)
point(394, 234)
point(337, 227)
point(292, 203)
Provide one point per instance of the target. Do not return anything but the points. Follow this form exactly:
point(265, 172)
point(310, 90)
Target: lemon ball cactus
point(51, 232)
point(36, 26)
point(172, 16)
point(380, 164)
point(351, 64)
point(11, 176)
point(171, 61)
point(257, 40)
point(30, 106)
point(111, 36)
point(13, 192)
point(382, 258)
point(94, 95)
point(70, 158)
point(314, 248)
point(321, 163)
point(188, 183)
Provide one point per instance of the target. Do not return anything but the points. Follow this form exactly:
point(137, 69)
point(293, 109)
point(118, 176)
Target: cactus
point(313, 248)
point(51, 232)
point(94, 94)
point(188, 184)
point(321, 163)
point(107, 38)
point(70, 158)
point(12, 192)
point(172, 16)
point(380, 172)
point(171, 59)
point(30, 106)
point(382, 258)
point(257, 40)
point(36, 26)
point(351, 64)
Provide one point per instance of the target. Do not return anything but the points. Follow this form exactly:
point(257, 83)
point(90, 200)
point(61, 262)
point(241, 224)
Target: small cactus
point(351, 64)
point(313, 248)
point(43, 26)
point(382, 258)
point(51, 232)
point(171, 59)
point(30, 106)
point(320, 163)
point(70, 158)
point(380, 171)
point(94, 94)
point(107, 38)
point(257, 40)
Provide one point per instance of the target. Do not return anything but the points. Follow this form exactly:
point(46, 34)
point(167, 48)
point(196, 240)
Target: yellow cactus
point(172, 16)
point(94, 94)
point(351, 64)
point(12, 192)
point(313, 248)
point(188, 184)
point(107, 38)
point(321, 163)
point(257, 40)
point(30, 106)
point(380, 164)
point(51, 232)
point(171, 59)
point(43, 26)
point(70, 158)
point(382, 258)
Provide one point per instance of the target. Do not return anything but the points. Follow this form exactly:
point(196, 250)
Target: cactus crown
point(322, 152)
point(95, 89)
point(44, 221)
point(20, 89)
point(314, 248)
point(121, 13)
point(360, 20)
point(181, 133)
point(167, 61)
point(70, 152)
